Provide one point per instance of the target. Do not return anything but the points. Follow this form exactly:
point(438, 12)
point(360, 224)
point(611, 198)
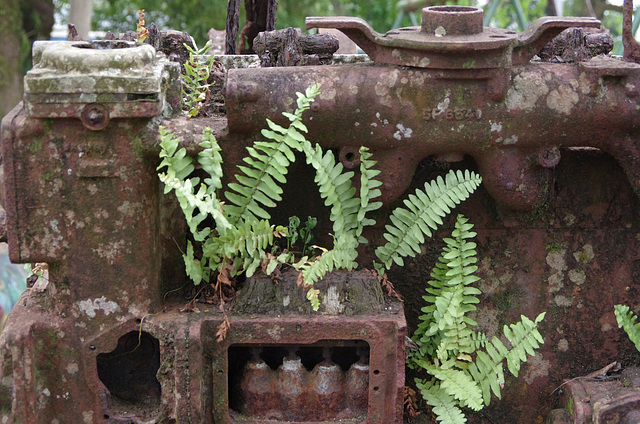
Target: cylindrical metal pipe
point(406, 114)
point(452, 20)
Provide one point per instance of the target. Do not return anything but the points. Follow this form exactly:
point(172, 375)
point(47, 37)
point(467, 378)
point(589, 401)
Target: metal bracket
point(451, 37)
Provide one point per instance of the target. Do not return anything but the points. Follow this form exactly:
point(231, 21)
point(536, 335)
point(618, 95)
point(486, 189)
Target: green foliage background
point(196, 16)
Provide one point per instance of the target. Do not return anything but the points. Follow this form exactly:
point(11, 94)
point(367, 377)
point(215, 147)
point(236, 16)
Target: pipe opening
point(129, 373)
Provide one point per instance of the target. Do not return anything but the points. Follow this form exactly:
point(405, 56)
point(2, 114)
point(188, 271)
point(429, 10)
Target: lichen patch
point(91, 307)
point(536, 367)
point(564, 98)
point(525, 92)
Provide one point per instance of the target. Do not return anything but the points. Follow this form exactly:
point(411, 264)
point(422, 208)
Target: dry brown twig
point(410, 402)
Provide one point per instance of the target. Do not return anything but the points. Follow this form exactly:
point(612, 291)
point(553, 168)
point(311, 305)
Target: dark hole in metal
point(129, 373)
point(324, 381)
point(454, 9)
point(132, 97)
point(104, 44)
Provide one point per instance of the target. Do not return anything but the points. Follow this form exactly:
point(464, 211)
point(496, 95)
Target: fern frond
point(451, 296)
point(443, 404)
point(347, 213)
point(466, 367)
point(210, 160)
point(343, 255)
point(368, 191)
point(335, 188)
point(524, 338)
point(197, 201)
point(245, 245)
point(627, 321)
point(424, 212)
point(258, 187)
point(194, 268)
point(460, 385)
point(177, 163)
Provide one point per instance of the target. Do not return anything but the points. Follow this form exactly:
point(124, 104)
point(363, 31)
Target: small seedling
point(304, 234)
point(195, 89)
point(140, 29)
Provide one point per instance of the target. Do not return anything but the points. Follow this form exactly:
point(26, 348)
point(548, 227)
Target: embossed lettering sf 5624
point(453, 114)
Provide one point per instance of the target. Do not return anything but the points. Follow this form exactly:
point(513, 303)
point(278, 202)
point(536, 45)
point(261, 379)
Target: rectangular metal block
point(384, 334)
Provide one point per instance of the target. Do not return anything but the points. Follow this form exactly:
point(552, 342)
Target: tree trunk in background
point(12, 36)
point(21, 23)
point(80, 16)
point(233, 23)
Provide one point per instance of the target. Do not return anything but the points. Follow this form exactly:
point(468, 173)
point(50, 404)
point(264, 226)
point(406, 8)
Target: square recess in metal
point(383, 335)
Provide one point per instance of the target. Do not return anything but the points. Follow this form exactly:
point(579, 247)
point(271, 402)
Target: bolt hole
point(105, 416)
point(376, 372)
point(220, 371)
point(349, 157)
point(376, 388)
point(138, 320)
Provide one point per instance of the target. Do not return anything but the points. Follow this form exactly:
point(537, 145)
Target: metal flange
point(452, 37)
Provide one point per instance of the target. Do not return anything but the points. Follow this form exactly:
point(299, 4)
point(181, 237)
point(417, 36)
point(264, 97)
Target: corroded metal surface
point(326, 392)
point(406, 114)
point(122, 79)
point(607, 398)
point(451, 37)
point(553, 142)
point(128, 366)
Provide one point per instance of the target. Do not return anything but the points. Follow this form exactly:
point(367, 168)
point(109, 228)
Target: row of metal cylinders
point(292, 393)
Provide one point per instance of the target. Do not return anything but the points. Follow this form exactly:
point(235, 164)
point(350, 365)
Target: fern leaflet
point(259, 184)
point(524, 337)
point(627, 321)
point(466, 367)
point(444, 406)
point(424, 212)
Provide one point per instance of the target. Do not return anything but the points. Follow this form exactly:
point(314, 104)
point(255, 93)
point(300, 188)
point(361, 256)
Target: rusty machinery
point(81, 194)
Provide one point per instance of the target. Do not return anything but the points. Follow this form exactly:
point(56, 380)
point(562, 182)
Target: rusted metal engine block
point(99, 344)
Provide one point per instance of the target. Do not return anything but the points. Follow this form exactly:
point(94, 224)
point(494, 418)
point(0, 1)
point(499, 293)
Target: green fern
point(241, 243)
point(444, 406)
point(424, 213)
point(242, 234)
point(465, 366)
point(627, 321)
point(347, 212)
point(195, 90)
point(487, 370)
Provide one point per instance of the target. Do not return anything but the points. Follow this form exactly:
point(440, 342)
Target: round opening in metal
point(453, 9)
point(105, 44)
point(452, 20)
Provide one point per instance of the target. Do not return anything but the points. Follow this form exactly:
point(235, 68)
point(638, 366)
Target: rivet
point(549, 157)
point(95, 117)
